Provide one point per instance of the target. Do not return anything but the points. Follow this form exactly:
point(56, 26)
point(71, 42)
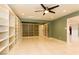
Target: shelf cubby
point(3, 28)
point(11, 30)
point(3, 43)
point(3, 46)
point(12, 38)
point(3, 36)
point(11, 45)
point(4, 50)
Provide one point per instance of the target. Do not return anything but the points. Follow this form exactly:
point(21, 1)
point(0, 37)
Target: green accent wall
point(56, 28)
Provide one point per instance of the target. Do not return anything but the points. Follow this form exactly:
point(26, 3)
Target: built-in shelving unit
point(7, 29)
point(4, 30)
point(11, 30)
point(30, 29)
point(45, 30)
point(18, 31)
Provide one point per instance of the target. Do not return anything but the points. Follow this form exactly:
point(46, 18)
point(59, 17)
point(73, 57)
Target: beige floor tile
point(38, 45)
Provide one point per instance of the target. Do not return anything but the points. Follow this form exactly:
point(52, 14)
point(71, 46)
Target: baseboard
point(51, 38)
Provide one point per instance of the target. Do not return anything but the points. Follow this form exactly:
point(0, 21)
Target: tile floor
point(43, 46)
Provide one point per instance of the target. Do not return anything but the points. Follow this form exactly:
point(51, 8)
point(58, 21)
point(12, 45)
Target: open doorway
point(73, 30)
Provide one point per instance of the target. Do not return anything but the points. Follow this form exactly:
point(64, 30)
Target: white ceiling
point(27, 11)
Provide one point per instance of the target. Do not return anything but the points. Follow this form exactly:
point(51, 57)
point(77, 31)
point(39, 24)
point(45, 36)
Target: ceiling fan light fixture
point(46, 11)
point(23, 14)
point(64, 10)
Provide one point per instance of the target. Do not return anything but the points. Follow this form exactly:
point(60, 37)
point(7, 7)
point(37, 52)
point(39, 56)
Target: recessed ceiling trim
point(33, 20)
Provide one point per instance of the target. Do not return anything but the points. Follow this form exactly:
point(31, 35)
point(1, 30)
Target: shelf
point(11, 31)
point(3, 31)
point(12, 21)
point(3, 36)
point(4, 51)
point(3, 48)
point(12, 35)
point(3, 15)
point(3, 28)
point(11, 46)
point(11, 39)
point(3, 45)
point(3, 25)
point(3, 39)
point(2, 18)
point(12, 42)
point(4, 21)
point(12, 26)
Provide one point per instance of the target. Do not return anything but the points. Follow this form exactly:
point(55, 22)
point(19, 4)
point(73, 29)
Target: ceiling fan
point(46, 9)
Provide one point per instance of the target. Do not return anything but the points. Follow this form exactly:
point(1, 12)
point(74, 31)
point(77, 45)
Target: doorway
point(73, 30)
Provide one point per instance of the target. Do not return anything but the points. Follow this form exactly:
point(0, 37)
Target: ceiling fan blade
point(43, 13)
point(43, 6)
point(39, 11)
point(52, 12)
point(53, 7)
